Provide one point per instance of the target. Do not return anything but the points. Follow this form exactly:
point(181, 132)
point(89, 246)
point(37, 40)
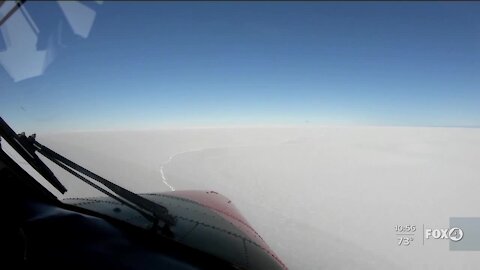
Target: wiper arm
point(160, 213)
point(25, 149)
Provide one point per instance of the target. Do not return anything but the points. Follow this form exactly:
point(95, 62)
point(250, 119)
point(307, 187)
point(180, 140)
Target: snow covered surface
point(322, 197)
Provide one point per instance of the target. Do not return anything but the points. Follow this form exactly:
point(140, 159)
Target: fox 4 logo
point(454, 234)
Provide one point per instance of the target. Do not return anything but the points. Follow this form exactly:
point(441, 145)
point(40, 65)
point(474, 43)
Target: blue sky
point(161, 64)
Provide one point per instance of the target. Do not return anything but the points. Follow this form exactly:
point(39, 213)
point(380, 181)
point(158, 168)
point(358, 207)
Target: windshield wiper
point(26, 147)
point(160, 213)
point(27, 152)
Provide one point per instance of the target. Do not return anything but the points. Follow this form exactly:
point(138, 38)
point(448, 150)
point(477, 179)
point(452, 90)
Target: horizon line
point(259, 126)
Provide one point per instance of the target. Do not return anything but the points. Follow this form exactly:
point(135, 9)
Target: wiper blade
point(22, 145)
point(26, 147)
point(160, 213)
